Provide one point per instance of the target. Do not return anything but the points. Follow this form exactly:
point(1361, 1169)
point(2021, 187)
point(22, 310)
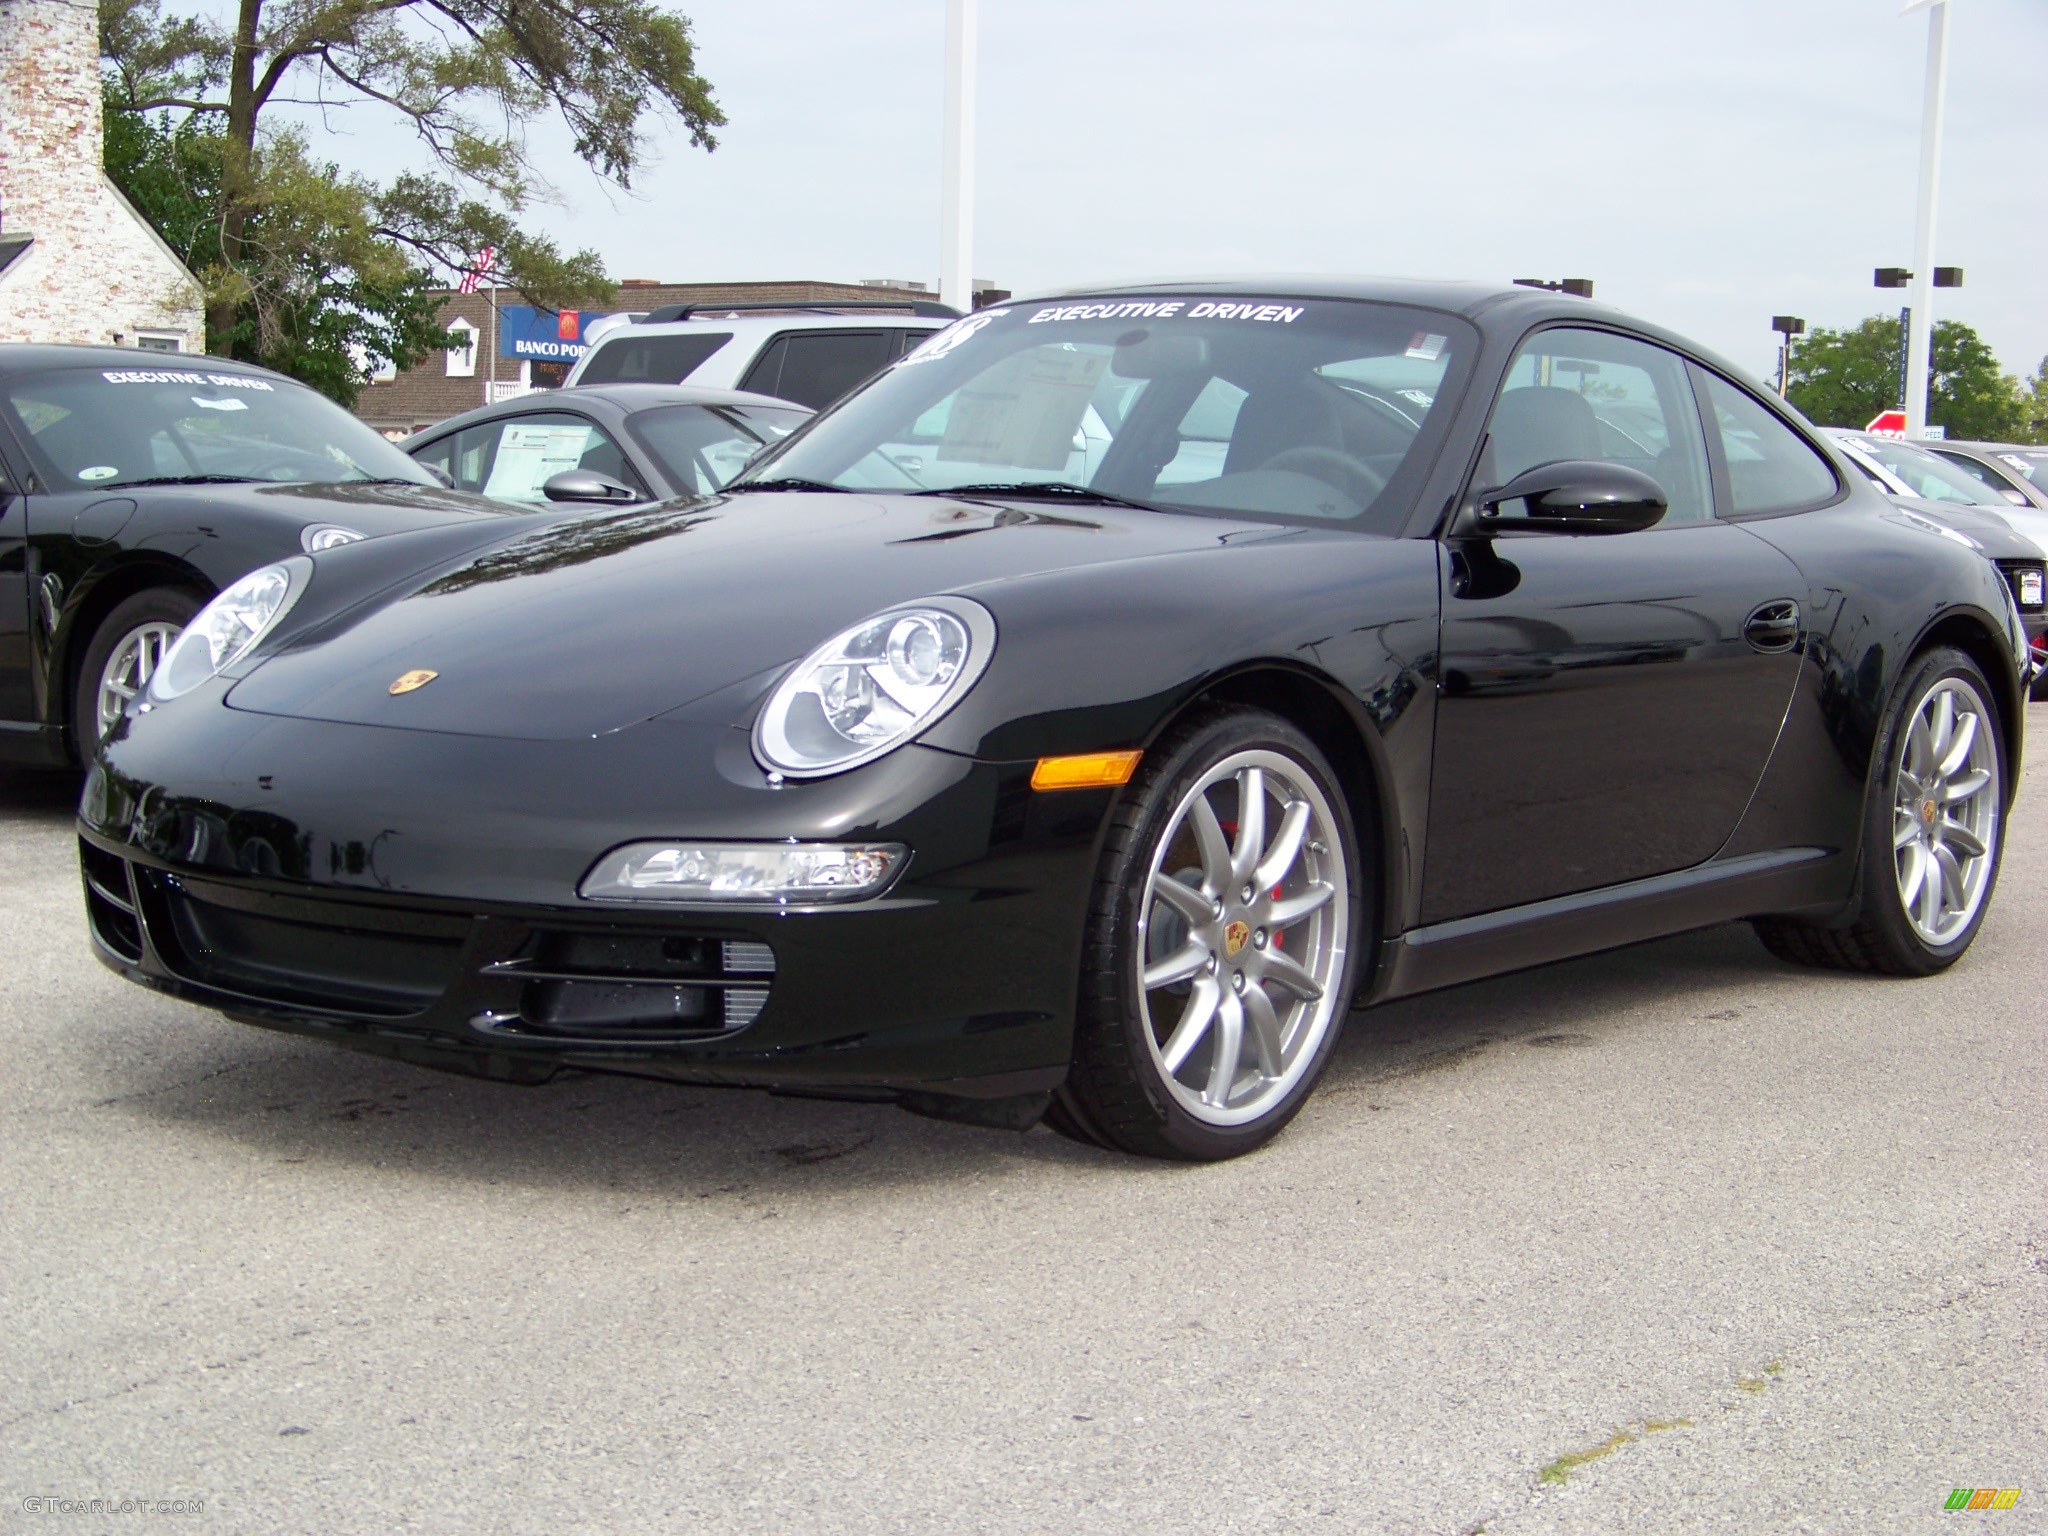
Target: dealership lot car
point(617, 443)
point(133, 489)
point(1074, 720)
point(807, 354)
point(2015, 471)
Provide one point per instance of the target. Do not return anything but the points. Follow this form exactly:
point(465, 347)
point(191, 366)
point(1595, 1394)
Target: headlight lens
point(779, 872)
point(874, 686)
point(318, 536)
point(229, 627)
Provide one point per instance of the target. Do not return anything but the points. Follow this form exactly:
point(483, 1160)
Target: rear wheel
point(1933, 832)
point(124, 653)
point(1222, 944)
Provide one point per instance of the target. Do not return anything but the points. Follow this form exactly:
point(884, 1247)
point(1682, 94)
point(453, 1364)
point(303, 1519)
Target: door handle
point(1774, 626)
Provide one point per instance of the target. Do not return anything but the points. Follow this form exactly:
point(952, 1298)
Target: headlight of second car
point(228, 628)
point(873, 687)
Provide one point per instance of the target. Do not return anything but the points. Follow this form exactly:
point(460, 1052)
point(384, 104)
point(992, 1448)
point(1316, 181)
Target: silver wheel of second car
point(129, 667)
point(1242, 933)
point(1945, 807)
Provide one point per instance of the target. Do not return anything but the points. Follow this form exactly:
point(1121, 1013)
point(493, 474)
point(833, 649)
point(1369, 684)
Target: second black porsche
point(133, 487)
point(1077, 719)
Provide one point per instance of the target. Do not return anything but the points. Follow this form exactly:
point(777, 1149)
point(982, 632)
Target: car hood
point(590, 624)
point(370, 508)
point(1989, 529)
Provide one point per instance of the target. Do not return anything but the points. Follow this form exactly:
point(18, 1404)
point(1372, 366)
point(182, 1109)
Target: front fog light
point(710, 872)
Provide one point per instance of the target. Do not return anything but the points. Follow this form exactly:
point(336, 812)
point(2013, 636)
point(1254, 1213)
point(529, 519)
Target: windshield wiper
point(179, 480)
point(1023, 489)
point(786, 483)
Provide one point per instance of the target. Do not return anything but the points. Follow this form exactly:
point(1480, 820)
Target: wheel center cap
point(1927, 812)
point(1236, 935)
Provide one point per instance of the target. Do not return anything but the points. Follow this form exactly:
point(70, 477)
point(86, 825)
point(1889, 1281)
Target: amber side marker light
point(1087, 770)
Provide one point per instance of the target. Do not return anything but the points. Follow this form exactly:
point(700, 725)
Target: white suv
point(809, 353)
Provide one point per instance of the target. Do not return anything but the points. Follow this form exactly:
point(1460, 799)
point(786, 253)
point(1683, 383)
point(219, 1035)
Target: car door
point(1607, 702)
point(510, 458)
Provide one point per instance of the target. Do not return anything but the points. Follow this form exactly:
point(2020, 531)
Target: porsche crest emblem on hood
point(418, 677)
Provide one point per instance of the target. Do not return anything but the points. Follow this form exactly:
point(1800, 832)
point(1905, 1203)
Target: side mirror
point(1574, 496)
point(587, 485)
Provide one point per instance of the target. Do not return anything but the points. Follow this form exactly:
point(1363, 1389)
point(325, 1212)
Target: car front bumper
point(414, 894)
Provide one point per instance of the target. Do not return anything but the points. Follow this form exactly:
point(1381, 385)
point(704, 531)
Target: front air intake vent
point(638, 988)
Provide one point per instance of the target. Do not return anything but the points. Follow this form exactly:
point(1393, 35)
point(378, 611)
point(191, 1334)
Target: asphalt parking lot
point(1674, 1239)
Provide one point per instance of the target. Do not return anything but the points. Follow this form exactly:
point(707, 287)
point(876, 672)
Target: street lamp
point(1787, 326)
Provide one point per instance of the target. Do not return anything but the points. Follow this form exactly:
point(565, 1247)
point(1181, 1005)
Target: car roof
point(795, 318)
point(40, 356)
point(620, 399)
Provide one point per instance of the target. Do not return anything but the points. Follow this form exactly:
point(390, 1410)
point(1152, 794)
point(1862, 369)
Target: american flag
point(480, 267)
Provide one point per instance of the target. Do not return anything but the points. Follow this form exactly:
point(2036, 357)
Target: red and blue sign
point(543, 335)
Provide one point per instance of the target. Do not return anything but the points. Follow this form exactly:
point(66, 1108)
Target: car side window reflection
point(1769, 468)
point(1581, 394)
point(511, 459)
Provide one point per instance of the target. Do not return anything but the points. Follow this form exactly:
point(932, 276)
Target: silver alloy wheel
point(1945, 810)
point(1242, 933)
point(129, 667)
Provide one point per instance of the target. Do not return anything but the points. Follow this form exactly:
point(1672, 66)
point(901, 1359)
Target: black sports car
point(133, 487)
point(1075, 720)
point(617, 443)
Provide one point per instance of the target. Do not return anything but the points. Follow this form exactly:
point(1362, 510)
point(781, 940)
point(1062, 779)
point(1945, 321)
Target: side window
point(815, 368)
point(438, 455)
point(1769, 468)
point(631, 359)
point(511, 460)
point(1573, 394)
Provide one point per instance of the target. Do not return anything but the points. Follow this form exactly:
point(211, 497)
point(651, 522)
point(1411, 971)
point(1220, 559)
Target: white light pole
point(1920, 335)
point(956, 195)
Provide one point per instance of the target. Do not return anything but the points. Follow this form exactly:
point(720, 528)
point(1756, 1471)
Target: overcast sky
point(1708, 164)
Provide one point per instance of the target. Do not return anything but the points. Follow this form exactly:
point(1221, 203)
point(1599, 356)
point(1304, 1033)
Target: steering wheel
point(1354, 477)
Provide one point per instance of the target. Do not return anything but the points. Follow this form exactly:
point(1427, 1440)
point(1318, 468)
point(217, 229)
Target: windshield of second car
point(1932, 479)
point(97, 429)
point(704, 446)
point(1317, 410)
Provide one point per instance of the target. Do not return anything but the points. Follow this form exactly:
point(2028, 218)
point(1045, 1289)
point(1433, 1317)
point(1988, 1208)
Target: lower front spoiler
point(780, 1003)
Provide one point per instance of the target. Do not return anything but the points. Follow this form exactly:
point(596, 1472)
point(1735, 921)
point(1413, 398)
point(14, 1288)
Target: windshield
point(1291, 409)
point(2031, 464)
point(702, 447)
point(1931, 478)
point(96, 429)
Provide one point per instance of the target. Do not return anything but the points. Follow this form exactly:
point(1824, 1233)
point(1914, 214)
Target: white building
point(77, 262)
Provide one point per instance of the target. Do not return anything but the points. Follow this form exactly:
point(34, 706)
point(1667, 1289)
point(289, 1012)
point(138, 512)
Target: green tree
point(1843, 378)
point(2034, 407)
point(317, 273)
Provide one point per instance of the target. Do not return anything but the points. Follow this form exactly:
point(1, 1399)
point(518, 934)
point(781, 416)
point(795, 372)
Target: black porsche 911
point(1077, 719)
point(133, 487)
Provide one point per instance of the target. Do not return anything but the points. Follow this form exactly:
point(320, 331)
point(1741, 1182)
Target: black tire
point(1879, 937)
point(155, 606)
point(1117, 1092)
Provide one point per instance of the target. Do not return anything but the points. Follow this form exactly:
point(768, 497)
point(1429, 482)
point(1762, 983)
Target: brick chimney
point(50, 136)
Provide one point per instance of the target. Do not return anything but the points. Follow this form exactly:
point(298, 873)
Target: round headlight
point(318, 536)
point(228, 628)
point(873, 687)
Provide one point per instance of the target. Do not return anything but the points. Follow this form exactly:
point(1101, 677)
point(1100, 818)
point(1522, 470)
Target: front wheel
point(1222, 943)
point(1933, 831)
point(121, 657)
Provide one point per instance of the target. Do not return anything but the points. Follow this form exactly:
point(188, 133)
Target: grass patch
point(1571, 1461)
